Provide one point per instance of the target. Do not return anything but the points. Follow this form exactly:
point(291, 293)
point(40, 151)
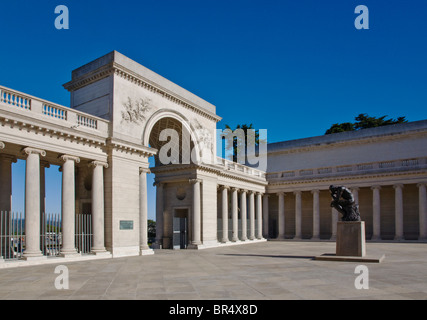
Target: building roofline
point(341, 137)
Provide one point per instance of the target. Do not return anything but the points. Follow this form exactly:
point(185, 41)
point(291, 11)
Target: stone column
point(376, 217)
point(398, 209)
point(159, 215)
point(265, 213)
point(334, 214)
point(224, 203)
point(196, 213)
point(98, 246)
point(32, 204)
point(422, 210)
point(355, 192)
point(316, 215)
point(234, 214)
point(251, 215)
point(6, 201)
point(6, 182)
point(281, 216)
point(259, 215)
point(68, 205)
point(298, 215)
point(43, 166)
point(244, 215)
point(143, 213)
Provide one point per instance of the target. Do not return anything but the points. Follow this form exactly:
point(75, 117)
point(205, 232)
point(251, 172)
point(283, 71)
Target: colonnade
point(34, 203)
point(251, 204)
point(376, 212)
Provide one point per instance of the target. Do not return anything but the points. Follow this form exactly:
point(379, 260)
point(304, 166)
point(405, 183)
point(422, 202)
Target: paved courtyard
point(270, 270)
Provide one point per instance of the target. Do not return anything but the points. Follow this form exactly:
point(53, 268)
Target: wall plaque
point(126, 225)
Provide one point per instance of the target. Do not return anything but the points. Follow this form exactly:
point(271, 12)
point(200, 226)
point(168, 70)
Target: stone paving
point(271, 270)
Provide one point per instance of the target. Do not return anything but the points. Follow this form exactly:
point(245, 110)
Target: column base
point(146, 252)
point(399, 238)
point(33, 257)
point(1, 260)
point(69, 253)
point(375, 238)
point(194, 246)
point(100, 252)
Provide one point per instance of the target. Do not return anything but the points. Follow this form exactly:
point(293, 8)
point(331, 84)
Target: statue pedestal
point(351, 244)
point(351, 239)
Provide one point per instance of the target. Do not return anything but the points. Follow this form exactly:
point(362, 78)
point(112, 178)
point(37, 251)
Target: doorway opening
point(180, 229)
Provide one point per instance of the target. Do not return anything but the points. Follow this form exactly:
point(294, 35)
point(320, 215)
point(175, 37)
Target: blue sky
point(291, 67)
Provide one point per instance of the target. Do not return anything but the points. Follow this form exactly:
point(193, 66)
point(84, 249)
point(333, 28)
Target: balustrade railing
point(240, 168)
point(74, 118)
point(405, 164)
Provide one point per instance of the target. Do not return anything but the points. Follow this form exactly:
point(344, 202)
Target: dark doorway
point(180, 229)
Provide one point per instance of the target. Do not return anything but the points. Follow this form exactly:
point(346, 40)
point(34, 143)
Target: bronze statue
point(343, 201)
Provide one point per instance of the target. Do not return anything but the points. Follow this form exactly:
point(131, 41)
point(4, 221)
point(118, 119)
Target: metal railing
point(83, 233)
point(12, 234)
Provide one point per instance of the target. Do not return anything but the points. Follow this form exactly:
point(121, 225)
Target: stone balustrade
point(365, 168)
point(50, 112)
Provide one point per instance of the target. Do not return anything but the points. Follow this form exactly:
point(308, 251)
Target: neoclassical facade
point(385, 168)
point(122, 114)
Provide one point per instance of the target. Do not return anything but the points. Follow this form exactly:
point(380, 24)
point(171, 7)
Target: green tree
point(364, 121)
point(237, 145)
point(151, 226)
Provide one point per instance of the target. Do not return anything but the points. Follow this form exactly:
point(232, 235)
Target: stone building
point(122, 114)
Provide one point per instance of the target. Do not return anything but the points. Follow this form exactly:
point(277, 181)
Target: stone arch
point(171, 119)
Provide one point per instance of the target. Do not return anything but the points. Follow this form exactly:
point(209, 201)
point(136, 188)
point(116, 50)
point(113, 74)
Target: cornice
point(60, 133)
point(220, 172)
point(127, 147)
point(350, 142)
point(326, 180)
point(114, 68)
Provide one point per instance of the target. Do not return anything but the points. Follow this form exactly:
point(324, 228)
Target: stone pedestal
point(351, 239)
point(351, 244)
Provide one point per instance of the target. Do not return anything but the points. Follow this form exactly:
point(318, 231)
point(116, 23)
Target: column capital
point(354, 188)
point(29, 150)
point(298, 192)
point(315, 191)
point(194, 181)
point(222, 187)
point(398, 186)
point(44, 164)
point(259, 193)
point(8, 157)
point(2, 145)
point(144, 170)
point(376, 188)
point(235, 189)
point(66, 157)
point(98, 163)
point(158, 184)
point(243, 190)
point(281, 193)
point(421, 184)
